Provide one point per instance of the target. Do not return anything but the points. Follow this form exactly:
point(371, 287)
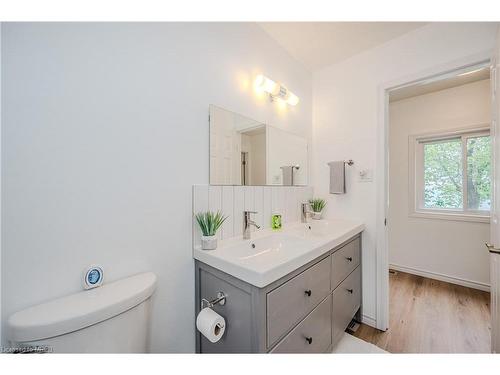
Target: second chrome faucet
point(304, 212)
point(248, 223)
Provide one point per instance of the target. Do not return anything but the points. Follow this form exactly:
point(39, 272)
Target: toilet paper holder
point(220, 300)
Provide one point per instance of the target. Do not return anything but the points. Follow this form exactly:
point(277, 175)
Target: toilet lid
point(80, 310)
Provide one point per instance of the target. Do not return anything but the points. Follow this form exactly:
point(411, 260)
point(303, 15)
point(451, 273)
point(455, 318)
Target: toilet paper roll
point(210, 324)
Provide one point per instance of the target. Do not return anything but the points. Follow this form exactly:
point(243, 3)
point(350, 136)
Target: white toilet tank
point(114, 318)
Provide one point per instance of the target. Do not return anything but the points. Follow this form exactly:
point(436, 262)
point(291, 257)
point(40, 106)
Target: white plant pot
point(317, 215)
point(208, 242)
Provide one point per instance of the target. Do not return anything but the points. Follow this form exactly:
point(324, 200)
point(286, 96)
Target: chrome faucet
point(247, 223)
point(304, 212)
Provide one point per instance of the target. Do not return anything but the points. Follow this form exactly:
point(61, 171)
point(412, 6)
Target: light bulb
point(292, 99)
point(275, 90)
point(265, 84)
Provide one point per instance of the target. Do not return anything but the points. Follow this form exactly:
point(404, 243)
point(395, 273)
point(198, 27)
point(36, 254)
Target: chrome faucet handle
point(247, 223)
point(247, 214)
point(305, 211)
point(492, 248)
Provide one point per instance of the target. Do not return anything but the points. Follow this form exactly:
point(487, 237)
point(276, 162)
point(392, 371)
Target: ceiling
point(426, 87)
point(319, 44)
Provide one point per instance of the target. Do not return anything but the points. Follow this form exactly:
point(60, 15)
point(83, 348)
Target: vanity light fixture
point(275, 90)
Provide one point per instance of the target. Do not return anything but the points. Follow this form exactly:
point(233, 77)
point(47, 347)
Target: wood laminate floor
point(431, 316)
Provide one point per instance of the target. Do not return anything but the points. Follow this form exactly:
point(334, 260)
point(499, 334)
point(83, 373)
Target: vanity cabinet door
point(346, 301)
point(292, 301)
point(345, 260)
point(312, 335)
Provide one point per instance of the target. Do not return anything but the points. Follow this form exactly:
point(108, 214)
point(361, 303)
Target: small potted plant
point(209, 223)
point(317, 205)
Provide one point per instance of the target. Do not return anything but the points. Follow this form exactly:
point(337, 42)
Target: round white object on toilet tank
point(80, 310)
point(93, 277)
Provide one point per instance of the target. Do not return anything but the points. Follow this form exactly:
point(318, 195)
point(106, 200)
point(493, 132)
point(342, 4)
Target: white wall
point(453, 249)
point(345, 119)
point(284, 148)
point(1, 200)
point(105, 130)
point(258, 158)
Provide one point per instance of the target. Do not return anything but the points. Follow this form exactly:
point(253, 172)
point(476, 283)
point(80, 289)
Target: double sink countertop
point(270, 255)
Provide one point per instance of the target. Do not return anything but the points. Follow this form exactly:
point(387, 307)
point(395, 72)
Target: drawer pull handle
point(308, 292)
point(349, 259)
point(309, 340)
point(349, 290)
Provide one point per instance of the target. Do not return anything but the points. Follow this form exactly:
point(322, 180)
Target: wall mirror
point(244, 151)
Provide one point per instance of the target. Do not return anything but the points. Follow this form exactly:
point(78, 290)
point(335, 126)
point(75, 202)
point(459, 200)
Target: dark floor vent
point(353, 326)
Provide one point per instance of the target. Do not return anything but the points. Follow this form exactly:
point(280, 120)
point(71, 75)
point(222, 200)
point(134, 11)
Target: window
point(452, 175)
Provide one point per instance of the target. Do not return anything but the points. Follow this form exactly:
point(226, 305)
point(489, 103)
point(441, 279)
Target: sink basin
point(264, 251)
point(271, 255)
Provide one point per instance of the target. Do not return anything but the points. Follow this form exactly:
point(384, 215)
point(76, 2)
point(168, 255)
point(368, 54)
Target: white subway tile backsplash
point(238, 208)
point(278, 201)
point(233, 200)
point(214, 198)
point(215, 201)
point(228, 207)
point(249, 198)
point(267, 209)
point(290, 204)
point(258, 205)
point(307, 194)
point(249, 201)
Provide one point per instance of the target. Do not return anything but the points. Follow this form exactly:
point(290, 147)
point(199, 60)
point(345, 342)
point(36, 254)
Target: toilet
point(114, 318)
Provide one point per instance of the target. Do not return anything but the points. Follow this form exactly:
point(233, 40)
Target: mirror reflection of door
point(253, 145)
point(244, 169)
point(225, 149)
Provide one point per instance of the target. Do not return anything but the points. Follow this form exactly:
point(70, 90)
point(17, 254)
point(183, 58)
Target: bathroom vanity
point(295, 291)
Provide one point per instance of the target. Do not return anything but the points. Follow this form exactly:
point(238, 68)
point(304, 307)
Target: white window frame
point(416, 175)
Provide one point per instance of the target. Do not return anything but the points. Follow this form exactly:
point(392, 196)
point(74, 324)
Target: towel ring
point(349, 162)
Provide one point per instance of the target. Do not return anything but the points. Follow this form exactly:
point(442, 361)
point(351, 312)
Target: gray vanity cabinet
point(347, 297)
point(344, 261)
point(305, 311)
point(311, 335)
point(293, 300)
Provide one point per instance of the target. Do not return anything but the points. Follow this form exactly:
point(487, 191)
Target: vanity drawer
point(344, 261)
point(289, 303)
point(346, 301)
point(312, 335)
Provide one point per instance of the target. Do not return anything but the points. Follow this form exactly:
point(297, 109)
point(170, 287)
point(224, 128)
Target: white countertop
point(270, 255)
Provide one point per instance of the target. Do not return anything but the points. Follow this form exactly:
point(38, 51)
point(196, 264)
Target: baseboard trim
point(368, 320)
point(439, 276)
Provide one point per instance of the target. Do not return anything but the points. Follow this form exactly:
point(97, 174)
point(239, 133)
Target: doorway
point(438, 190)
point(244, 168)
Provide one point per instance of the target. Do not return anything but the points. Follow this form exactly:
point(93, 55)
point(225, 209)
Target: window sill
point(450, 216)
